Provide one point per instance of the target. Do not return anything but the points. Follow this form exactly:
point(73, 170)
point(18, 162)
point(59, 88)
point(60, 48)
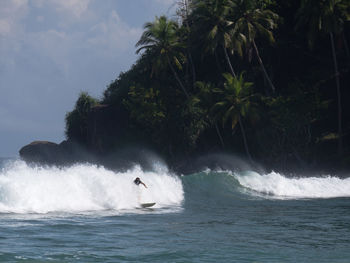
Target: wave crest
point(279, 186)
point(83, 187)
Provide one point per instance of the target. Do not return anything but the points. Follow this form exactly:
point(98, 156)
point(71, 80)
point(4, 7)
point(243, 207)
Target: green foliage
point(77, 120)
point(161, 39)
point(235, 100)
point(322, 16)
point(291, 123)
point(139, 73)
point(145, 107)
point(252, 21)
point(213, 24)
point(179, 99)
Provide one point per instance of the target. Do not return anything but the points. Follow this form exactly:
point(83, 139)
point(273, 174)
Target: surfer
point(137, 181)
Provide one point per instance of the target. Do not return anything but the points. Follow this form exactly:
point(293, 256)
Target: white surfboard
point(145, 205)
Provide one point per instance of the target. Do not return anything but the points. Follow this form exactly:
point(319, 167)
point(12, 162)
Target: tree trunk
point(217, 62)
point(177, 78)
point(244, 139)
point(193, 69)
point(228, 61)
point(340, 131)
point(219, 135)
point(188, 46)
point(346, 46)
point(263, 67)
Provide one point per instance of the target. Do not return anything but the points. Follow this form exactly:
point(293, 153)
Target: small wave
point(83, 188)
point(278, 186)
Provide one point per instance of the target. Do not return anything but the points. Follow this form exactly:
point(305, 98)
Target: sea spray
point(276, 185)
point(83, 187)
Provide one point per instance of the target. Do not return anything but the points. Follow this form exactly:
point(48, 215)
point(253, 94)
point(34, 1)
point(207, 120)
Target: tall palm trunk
point(346, 46)
point(188, 46)
point(193, 69)
point(263, 67)
point(244, 139)
point(228, 61)
point(219, 135)
point(217, 62)
point(340, 131)
point(177, 78)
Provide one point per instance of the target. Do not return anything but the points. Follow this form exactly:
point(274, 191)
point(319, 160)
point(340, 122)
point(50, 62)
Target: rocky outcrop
point(40, 151)
point(45, 152)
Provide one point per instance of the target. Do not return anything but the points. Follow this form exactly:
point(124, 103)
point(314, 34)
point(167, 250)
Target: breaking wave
point(83, 187)
point(279, 186)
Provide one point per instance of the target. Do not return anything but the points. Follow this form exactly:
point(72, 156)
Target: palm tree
point(161, 39)
point(205, 99)
point(328, 17)
point(236, 103)
point(214, 24)
point(183, 14)
point(252, 21)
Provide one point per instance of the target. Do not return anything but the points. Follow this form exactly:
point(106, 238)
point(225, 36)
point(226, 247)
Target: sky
point(51, 50)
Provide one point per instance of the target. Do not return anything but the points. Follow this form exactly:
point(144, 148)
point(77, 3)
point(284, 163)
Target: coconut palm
point(252, 21)
point(235, 103)
point(327, 17)
point(161, 39)
point(183, 14)
point(214, 26)
point(205, 99)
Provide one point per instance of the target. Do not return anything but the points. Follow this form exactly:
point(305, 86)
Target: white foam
point(84, 187)
point(279, 186)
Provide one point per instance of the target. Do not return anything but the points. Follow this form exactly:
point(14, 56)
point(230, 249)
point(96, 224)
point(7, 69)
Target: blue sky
point(51, 50)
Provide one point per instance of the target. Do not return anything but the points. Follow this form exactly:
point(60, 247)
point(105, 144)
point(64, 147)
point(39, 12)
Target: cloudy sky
point(51, 50)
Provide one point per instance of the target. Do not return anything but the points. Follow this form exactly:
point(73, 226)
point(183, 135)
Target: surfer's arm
point(143, 184)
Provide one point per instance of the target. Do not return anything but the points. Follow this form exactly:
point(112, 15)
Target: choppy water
point(87, 213)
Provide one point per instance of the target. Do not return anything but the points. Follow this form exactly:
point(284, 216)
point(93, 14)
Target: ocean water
point(86, 213)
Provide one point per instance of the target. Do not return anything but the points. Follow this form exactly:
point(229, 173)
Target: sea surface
point(86, 213)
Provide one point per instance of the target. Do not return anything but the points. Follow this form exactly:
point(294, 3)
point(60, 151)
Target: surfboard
point(145, 205)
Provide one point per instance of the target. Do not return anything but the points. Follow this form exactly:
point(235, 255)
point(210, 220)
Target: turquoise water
point(86, 213)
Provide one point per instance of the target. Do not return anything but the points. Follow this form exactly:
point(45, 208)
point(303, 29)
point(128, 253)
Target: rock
point(41, 152)
point(44, 152)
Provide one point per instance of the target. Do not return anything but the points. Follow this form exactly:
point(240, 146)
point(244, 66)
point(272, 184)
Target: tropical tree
point(77, 119)
point(326, 17)
point(235, 103)
point(251, 21)
point(160, 39)
point(214, 26)
point(204, 99)
point(183, 14)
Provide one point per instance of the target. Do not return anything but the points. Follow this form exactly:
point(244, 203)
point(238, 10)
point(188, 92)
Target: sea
point(88, 213)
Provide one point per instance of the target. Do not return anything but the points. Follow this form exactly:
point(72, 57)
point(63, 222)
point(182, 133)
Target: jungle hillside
point(267, 80)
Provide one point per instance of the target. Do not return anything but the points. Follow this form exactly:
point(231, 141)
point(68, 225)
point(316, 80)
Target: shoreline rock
point(50, 153)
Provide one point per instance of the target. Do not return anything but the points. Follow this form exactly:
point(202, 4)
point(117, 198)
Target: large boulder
point(41, 152)
point(44, 152)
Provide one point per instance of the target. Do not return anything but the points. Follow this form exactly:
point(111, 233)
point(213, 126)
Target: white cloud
point(40, 19)
point(75, 7)
point(11, 13)
point(113, 35)
point(5, 27)
point(19, 3)
point(101, 36)
point(38, 3)
point(52, 49)
point(166, 2)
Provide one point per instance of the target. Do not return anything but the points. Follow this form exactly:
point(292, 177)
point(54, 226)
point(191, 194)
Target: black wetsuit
point(137, 181)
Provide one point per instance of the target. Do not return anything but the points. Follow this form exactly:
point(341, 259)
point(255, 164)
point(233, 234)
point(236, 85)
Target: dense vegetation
point(267, 79)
